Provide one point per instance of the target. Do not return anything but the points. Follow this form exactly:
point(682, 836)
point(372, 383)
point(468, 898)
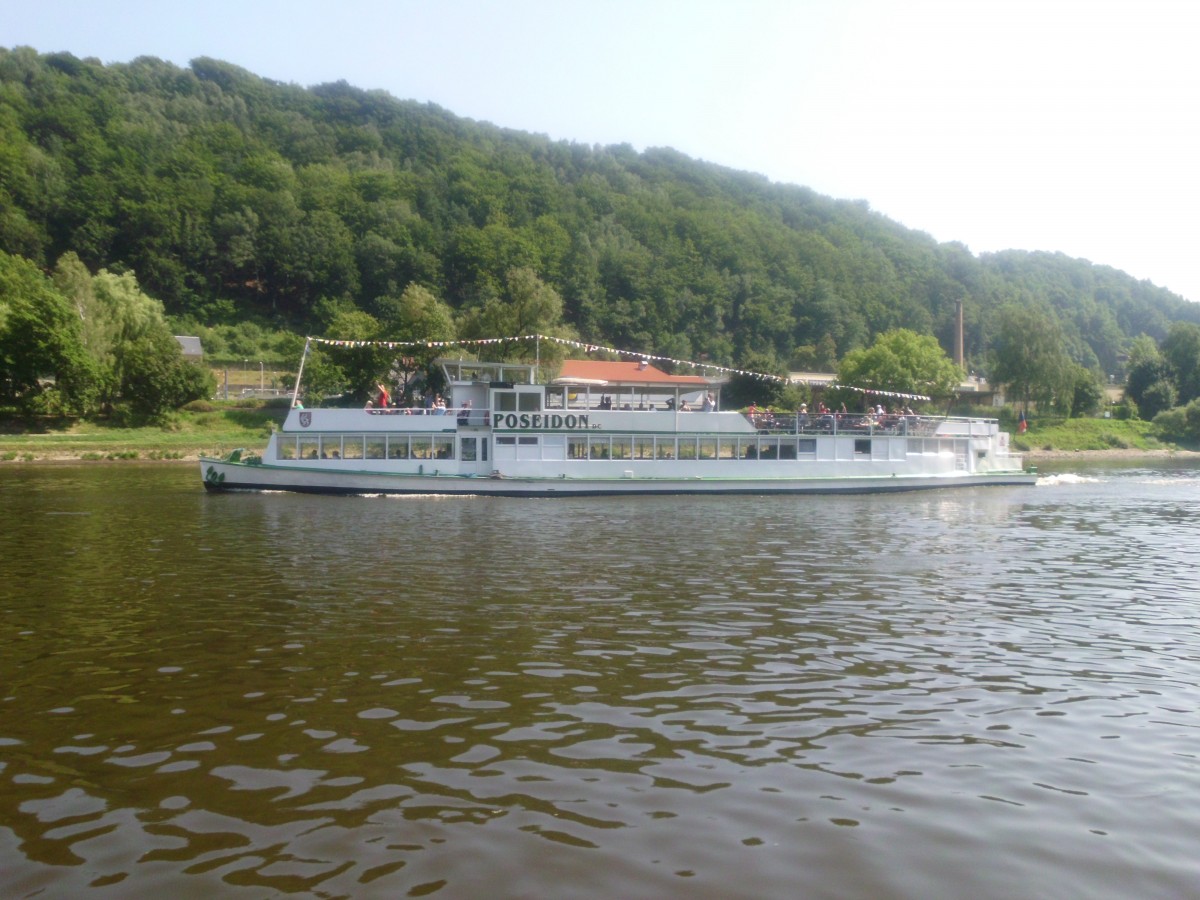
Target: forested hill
point(234, 197)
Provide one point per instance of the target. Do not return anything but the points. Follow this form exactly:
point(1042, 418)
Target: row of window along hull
point(572, 447)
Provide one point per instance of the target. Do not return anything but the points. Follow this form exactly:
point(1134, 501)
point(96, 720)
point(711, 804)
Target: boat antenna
point(300, 372)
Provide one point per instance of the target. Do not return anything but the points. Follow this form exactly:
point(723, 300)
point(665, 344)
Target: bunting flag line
point(878, 393)
point(566, 342)
point(593, 348)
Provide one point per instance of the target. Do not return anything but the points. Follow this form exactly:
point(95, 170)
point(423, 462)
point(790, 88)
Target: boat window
point(554, 446)
point(787, 448)
point(443, 447)
point(527, 447)
point(529, 401)
point(376, 448)
point(727, 448)
point(505, 401)
point(285, 448)
point(807, 446)
point(643, 447)
point(352, 446)
point(577, 447)
point(708, 448)
point(397, 446)
point(664, 448)
point(468, 449)
point(506, 440)
point(331, 446)
point(422, 447)
point(768, 448)
point(598, 448)
point(310, 447)
point(622, 447)
point(554, 397)
point(687, 448)
point(862, 446)
point(749, 448)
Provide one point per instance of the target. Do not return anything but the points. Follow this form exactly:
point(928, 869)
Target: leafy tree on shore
point(44, 366)
point(1029, 359)
point(416, 315)
point(902, 361)
point(1181, 350)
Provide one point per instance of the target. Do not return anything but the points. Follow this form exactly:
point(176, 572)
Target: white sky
point(1060, 125)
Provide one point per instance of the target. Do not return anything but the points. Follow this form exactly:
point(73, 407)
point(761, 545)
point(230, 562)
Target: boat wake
point(1066, 478)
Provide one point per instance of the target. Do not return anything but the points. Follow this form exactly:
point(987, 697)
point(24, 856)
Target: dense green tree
point(155, 378)
point(750, 385)
point(1087, 392)
point(1180, 423)
point(1158, 397)
point(1029, 359)
point(354, 370)
point(902, 361)
point(44, 366)
point(141, 372)
point(1141, 349)
point(416, 315)
point(1181, 350)
point(1151, 372)
point(528, 307)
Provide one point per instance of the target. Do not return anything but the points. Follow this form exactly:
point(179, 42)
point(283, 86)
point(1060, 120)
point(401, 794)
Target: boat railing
point(865, 424)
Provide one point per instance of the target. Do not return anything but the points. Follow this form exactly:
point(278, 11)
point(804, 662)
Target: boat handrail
point(867, 424)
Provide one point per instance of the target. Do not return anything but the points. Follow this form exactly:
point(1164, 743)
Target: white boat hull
point(225, 475)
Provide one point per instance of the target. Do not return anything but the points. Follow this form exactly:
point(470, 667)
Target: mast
point(300, 372)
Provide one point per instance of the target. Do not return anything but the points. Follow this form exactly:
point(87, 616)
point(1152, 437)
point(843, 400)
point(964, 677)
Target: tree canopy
point(81, 343)
point(901, 361)
point(231, 199)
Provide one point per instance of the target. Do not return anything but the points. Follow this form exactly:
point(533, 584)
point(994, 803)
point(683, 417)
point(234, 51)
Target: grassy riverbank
point(1072, 435)
point(188, 435)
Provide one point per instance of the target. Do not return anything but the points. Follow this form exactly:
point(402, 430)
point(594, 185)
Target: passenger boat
point(610, 428)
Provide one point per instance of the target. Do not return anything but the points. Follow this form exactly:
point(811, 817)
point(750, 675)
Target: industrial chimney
point(958, 334)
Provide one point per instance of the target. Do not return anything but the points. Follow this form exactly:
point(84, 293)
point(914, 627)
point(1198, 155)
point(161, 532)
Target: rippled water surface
point(979, 693)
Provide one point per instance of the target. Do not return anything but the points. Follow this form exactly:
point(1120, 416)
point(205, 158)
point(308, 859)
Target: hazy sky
point(1034, 124)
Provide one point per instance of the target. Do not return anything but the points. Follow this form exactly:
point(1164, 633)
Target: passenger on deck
point(605, 402)
point(709, 404)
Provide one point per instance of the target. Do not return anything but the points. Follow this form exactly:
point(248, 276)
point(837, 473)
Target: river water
point(979, 693)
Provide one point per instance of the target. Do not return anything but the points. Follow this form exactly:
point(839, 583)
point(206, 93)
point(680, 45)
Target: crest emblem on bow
point(305, 419)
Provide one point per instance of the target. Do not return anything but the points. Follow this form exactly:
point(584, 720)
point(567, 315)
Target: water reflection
point(932, 694)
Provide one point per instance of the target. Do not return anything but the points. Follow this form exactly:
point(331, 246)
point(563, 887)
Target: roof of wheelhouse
point(618, 373)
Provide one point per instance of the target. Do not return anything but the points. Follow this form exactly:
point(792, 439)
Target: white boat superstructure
point(643, 432)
